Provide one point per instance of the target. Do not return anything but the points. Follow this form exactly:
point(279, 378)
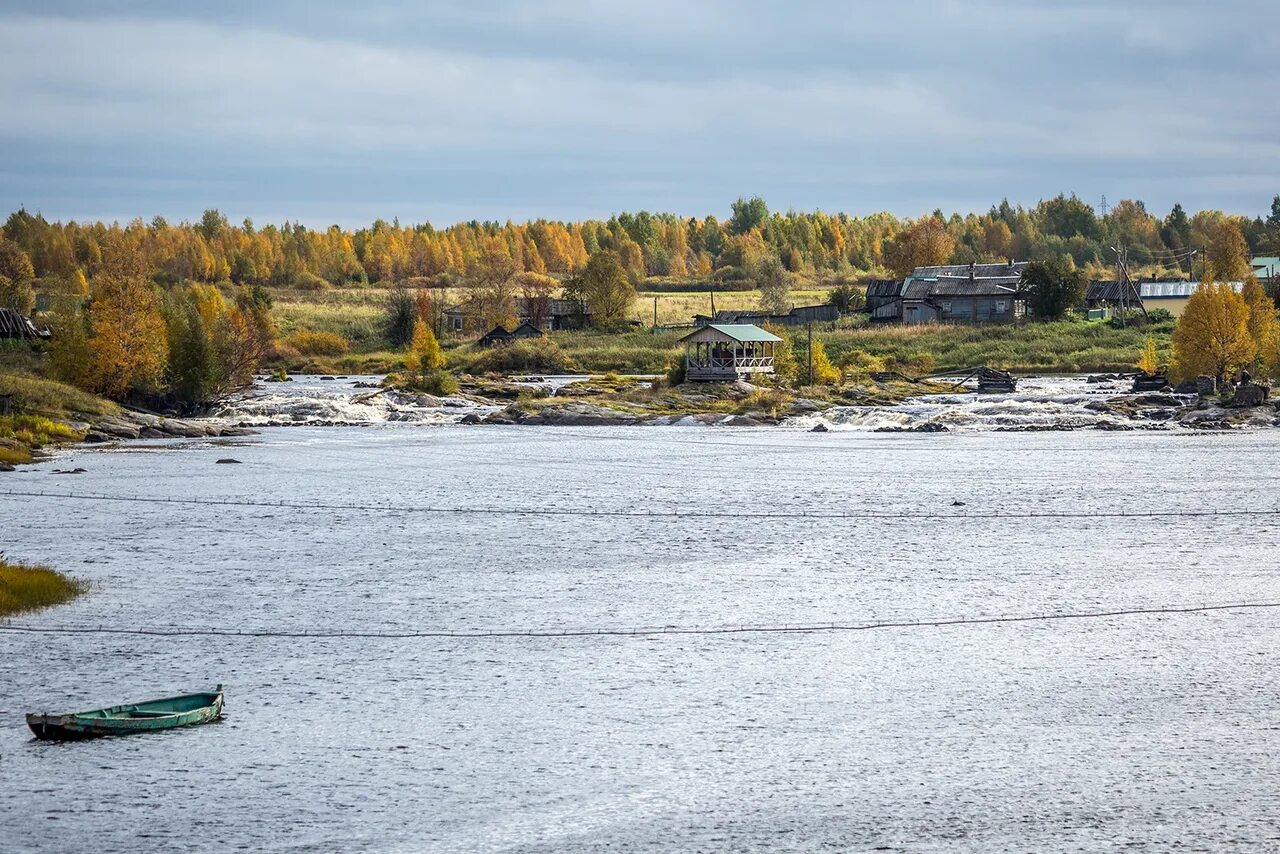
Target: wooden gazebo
point(728, 352)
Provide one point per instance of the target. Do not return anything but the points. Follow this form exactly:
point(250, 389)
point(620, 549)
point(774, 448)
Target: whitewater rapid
point(341, 401)
point(1041, 403)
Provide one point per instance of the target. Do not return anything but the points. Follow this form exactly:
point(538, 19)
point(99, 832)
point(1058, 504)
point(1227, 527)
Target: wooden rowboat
point(184, 710)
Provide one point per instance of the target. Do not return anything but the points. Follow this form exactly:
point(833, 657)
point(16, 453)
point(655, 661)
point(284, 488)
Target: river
point(1149, 731)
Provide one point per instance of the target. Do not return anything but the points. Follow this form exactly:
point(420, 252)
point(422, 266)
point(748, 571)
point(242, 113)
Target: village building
point(798, 316)
point(728, 352)
point(1266, 268)
point(956, 293)
point(1103, 298)
point(495, 336)
point(15, 326)
point(1171, 295)
point(547, 315)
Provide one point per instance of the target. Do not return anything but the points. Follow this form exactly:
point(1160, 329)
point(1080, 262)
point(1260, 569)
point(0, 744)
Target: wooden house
point(527, 330)
point(19, 327)
point(547, 314)
point(727, 352)
point(798, 316)
point(495, 336)
point(956, 293)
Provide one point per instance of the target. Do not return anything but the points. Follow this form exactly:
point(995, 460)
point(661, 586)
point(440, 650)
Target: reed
point(25, 587)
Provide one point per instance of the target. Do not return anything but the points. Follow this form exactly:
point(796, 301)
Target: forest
point(665, 246)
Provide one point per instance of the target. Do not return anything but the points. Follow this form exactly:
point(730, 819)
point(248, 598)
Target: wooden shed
point(495, 336)
point(728, 352)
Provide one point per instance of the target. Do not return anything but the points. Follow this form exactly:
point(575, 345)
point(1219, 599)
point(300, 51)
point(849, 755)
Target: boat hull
point(127, 720)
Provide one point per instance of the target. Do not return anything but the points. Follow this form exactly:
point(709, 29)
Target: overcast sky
point(444, 111)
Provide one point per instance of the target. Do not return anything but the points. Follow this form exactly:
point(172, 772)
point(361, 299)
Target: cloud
point(506, 104)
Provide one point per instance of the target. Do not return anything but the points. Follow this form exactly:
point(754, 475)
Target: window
point(946, 306)
point(457, 324)
point(1001, 306)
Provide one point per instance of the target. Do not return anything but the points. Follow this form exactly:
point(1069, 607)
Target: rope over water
point(654, 514)
point(474, 634)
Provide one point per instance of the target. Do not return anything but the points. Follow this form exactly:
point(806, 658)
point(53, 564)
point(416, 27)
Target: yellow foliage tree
point(424, 353)
point(922, 244)
point(127, 344)
point(1149, 361)
point(824, 373)
point(1212, 336)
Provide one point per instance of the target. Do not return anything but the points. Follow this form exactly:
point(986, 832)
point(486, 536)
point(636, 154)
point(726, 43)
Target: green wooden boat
point(184, 710)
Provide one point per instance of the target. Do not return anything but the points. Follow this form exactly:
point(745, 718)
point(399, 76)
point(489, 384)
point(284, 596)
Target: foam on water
point(1043, 403)
point(346, 401)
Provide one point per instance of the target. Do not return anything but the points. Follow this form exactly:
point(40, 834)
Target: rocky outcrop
point(142, 425)
point(576, 414)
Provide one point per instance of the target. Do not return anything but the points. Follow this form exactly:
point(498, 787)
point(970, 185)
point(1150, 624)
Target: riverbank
point(25, 587)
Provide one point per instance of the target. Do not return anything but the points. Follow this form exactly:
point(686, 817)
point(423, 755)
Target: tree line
point(746, 245)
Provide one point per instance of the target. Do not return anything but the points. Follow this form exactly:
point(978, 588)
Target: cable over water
point(474, 634)
point(657, 514)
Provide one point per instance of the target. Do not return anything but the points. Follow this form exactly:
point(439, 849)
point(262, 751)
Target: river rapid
point(1152, 732)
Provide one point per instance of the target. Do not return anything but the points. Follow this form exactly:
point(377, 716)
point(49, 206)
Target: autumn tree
point(1149, 361)
point(16, 274)
point(127, 344)
point(824, 373)
point(491, 284)
point(1227, 255)
point(1263, 328)
point(604, 289)
point(424, 353)
point(924, 243)
point(1212, 335)
point(774, 284)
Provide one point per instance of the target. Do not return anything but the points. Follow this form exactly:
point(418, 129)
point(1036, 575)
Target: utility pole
point(1102, 208)
point(655, 314)
point(810, 352)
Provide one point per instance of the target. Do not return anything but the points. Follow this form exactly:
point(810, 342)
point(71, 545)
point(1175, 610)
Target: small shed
point(527, 330)
point(495, 336)
point(728, 352)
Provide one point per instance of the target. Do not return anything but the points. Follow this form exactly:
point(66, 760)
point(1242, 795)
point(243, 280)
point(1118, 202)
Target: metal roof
point(1266, 263)
point(1156, 290)
point(739, 332)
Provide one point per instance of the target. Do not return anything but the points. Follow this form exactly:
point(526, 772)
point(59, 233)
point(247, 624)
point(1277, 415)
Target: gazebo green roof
point(744, 332)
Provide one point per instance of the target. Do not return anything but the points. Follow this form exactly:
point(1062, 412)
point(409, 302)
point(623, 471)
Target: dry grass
point(35, 395)
point(30, 588)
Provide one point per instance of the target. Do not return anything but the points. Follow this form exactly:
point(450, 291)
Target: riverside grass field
point(1064, 347)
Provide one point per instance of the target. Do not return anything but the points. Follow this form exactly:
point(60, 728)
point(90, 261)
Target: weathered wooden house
point(495, 336)
point(15, 326)
point(547, 314)
point(527, 330)
point(798, 316)
point(961, 293)
point(728, 352)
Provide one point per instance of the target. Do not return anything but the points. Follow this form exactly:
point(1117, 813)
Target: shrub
point(318, 343)
point(540, 355)
point(307, 281)
point(1160, 315)
point(439, 383)
point(675, 372)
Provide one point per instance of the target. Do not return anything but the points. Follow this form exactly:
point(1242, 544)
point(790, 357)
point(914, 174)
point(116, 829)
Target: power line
point(656, 514)
point(650, 631)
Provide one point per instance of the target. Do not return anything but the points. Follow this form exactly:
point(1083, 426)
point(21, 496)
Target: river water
point(1151, 732)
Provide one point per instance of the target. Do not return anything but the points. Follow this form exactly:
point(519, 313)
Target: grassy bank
point(30, 588)
point(41, 410)
point(1048, 348)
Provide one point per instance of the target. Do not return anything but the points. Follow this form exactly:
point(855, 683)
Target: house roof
point(1156, 290)
point(1266, 263)
point(744, 332)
